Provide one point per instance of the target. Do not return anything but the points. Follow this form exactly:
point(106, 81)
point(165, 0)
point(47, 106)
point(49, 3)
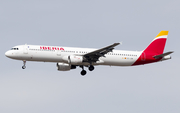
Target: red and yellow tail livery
point(155, 48)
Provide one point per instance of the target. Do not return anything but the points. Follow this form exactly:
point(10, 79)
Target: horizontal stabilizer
point(162, 55)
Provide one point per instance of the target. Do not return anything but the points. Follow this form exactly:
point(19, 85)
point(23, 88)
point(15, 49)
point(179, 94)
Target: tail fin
point(154, 52)
point(158, 44)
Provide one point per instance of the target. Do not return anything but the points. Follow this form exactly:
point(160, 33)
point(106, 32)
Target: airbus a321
point(67, 58)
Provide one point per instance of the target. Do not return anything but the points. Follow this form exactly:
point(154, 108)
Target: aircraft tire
point(91, 68)
point(23, 67)
point(83, 72)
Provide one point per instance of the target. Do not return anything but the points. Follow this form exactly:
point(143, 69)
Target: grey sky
point(152, 88)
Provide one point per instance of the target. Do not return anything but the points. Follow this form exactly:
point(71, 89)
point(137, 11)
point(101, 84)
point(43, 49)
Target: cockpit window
point(14, 48)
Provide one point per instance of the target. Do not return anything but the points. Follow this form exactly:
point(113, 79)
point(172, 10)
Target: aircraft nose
point(7, 54)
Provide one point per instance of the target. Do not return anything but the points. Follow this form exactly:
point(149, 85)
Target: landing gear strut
point(83, 72)
point(24, 66)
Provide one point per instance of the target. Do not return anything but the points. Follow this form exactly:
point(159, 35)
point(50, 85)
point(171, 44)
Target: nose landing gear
point(24, 66)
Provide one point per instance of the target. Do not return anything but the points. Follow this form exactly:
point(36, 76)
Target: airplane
point(67, 58)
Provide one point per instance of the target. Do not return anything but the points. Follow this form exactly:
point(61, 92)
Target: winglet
point(115, 44)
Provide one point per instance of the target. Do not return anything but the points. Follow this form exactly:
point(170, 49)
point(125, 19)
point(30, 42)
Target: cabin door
point(143, 57)
point(25, 49)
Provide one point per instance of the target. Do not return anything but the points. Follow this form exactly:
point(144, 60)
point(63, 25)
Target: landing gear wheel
point(83, 72)
point(23, 67)
point(91, 68)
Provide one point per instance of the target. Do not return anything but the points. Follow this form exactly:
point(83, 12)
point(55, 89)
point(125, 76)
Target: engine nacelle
point(76, 59)
point(73, 59)
point(63, 67)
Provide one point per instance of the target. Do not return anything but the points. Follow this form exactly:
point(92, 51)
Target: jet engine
point(65, 67)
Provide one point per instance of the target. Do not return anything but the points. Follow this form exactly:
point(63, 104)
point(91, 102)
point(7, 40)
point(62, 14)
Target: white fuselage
point(57, 54)
point(68, 58)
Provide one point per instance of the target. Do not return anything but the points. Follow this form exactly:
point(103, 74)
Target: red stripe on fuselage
point(155, 48)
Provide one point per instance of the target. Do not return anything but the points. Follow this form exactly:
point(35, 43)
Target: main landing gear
point(83, 72)
point(91, 68)
point(24, 66)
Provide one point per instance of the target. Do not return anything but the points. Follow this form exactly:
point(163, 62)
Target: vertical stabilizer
point(158, 44)
point(156, 47)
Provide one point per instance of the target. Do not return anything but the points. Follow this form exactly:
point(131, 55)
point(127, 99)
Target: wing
point(94, 55)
